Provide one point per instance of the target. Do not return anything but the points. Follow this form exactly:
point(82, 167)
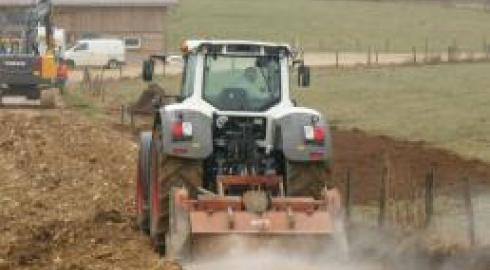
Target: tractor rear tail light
point(319, 134)
point(182, 131)
point(314, 134)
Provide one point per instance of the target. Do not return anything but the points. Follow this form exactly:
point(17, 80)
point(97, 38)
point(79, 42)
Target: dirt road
point(350, 59)
point(66, 188)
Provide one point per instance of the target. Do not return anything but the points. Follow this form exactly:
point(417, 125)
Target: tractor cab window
point(189, 76)
point(242, 83)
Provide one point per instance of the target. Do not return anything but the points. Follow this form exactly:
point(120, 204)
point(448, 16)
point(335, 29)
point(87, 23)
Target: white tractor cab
point(234, 84)
point(109, 53)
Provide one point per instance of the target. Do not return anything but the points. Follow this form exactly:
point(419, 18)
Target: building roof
point(17, 3)
point(96, 3)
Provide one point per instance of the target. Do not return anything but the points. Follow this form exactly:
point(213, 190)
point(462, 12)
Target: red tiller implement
point(201, 224)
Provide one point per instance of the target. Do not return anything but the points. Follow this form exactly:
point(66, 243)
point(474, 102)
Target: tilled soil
point(66, 195)
point(67, 184)
point(144, 104)
point(408, 164)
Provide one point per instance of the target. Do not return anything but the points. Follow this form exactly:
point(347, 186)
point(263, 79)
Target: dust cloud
point(307, 252)
point(368, 249)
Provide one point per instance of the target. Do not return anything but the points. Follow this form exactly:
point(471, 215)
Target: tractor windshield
point(242, 83)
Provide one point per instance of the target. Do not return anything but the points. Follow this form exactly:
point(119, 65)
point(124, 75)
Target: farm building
point(141, 23)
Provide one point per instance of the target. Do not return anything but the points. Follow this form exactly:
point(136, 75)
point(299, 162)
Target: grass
point(116, 93)
point(447, 106)
point(344, 25)
point(76, 99)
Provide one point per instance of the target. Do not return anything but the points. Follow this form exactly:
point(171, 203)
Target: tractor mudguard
point(291, 139)
point(197, 146)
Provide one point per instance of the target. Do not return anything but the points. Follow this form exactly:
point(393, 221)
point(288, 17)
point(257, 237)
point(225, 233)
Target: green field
point(344, 25)
point(447, 106)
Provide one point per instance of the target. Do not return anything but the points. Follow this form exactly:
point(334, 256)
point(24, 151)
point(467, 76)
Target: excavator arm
point(42, 15)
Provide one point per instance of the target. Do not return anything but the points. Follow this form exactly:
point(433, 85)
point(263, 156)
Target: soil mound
point(144, 104)
point(365, 156)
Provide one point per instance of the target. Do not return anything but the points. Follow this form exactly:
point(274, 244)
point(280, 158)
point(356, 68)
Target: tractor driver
point(242, 90)
point(249, 82)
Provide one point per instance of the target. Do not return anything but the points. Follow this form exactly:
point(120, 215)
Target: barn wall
point(146, 23)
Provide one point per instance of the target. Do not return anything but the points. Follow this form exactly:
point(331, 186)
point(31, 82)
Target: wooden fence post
point(382, 197)
point(337, 59)
point(426, 49)
point(377, 56)
point(132, 118)
point(414, 54)
point(469, 212)
point(348, 197)
point(429, 197)
point(123, 111)
point(369, 56)
point(102, 92)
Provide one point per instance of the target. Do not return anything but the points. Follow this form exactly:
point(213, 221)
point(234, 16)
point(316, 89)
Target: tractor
point(234, 154)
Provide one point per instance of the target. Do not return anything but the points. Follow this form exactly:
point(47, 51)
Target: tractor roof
point(239, 45)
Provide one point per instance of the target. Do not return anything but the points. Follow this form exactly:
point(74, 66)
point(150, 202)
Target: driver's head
point(251, 74)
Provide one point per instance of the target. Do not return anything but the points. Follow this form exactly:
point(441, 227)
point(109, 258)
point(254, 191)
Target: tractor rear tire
point(307, 178)
point(142, 183)
point(166, 173)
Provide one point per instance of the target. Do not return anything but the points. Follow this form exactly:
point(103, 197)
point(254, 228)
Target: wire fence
point(455, 212)
point(413, 56)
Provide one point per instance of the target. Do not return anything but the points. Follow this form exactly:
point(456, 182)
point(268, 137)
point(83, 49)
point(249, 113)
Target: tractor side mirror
point(148, 69)
point(304, 76)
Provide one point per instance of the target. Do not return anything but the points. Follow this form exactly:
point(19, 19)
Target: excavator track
point(48, 100)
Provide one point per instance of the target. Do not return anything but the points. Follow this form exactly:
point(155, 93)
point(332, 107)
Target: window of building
point(132, 42)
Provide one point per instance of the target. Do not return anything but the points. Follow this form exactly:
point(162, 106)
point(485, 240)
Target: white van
point(109, 53)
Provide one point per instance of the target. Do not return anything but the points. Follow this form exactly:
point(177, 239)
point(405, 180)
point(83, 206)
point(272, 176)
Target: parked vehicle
point(25, 70)
point(109, 53)
point(234, 157)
